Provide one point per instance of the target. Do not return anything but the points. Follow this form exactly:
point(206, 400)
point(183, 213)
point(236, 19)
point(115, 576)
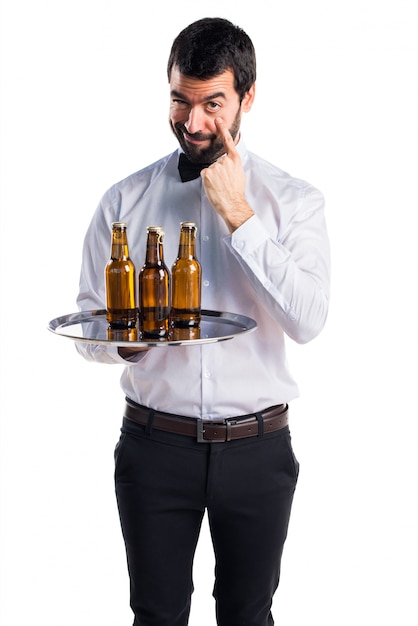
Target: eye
point(213, 106)
point(179, 104)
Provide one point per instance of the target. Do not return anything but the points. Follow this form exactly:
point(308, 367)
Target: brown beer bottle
point(154, 287)
point(186, 281)
point(121, 310)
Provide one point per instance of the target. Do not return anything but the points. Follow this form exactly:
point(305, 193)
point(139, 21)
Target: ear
point(248, 99)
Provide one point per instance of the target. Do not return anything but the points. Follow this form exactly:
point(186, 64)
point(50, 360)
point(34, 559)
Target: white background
point(84, 104)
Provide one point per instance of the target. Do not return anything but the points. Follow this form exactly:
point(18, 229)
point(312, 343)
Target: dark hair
point(211, 46)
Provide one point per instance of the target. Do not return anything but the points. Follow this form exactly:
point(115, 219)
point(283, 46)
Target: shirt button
point(205, 237)
point(206, 283)
point(207, 374)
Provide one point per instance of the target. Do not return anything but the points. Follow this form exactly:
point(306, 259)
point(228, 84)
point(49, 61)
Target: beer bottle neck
point(187, 244)
point(154, 253)
point(119, 248)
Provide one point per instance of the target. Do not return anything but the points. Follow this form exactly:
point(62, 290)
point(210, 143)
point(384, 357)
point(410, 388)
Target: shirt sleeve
point(91, 294)
point(290, 274)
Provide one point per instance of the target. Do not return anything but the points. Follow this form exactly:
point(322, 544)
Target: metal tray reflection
point(92, 327)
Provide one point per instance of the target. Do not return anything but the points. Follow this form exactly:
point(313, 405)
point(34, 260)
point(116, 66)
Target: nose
point(195, 121)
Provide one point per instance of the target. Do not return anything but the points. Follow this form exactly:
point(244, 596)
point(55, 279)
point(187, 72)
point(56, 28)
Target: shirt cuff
point(249, 236)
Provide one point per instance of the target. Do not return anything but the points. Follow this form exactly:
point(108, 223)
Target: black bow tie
point(188, 169)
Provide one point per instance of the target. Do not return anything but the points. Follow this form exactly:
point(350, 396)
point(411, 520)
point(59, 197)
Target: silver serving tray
point(92, 327)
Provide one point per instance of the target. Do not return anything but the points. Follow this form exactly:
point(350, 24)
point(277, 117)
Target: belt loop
point(148, 428)
point(260, 424)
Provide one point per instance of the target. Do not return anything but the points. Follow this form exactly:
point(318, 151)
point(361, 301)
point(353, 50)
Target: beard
point(214, 150)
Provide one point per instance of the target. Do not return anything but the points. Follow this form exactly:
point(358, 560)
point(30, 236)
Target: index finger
point(226, 136)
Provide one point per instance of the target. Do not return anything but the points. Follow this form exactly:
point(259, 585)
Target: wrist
point(237, 215)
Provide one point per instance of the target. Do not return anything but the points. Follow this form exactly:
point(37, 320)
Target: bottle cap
point(118, 224)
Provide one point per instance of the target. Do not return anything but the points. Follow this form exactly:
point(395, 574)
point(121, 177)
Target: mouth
point(195, 138)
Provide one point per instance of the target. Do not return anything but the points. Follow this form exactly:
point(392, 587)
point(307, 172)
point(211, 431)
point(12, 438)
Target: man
point(205, 426)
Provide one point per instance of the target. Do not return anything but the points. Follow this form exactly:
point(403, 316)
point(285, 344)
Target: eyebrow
point(213, 96)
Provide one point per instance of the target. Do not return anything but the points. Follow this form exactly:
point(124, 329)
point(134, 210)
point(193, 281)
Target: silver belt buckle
point(200, 431)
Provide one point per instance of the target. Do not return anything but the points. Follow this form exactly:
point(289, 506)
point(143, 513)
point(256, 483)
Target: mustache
point(197, 136)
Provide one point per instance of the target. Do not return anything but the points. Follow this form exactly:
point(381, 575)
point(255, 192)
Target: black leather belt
point(252, 425)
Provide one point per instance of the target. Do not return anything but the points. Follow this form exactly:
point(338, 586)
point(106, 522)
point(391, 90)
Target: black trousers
point(165, 483)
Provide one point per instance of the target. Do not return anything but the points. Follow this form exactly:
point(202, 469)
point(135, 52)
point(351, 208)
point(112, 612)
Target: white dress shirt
point(274, 268)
